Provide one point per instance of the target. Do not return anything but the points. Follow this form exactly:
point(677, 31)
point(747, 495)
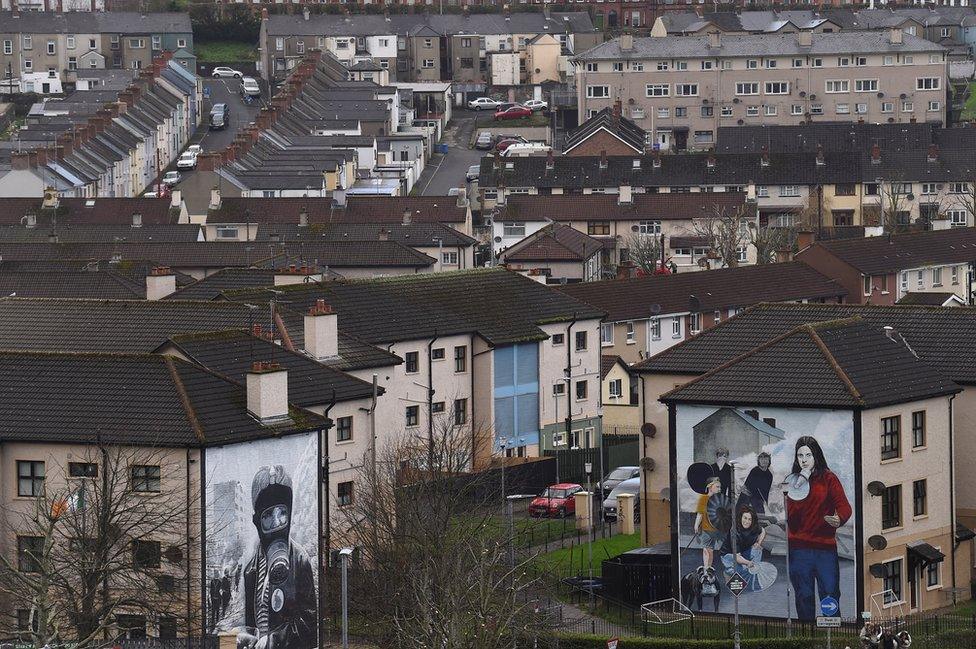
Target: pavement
point(445, 171)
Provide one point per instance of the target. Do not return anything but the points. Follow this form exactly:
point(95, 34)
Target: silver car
point(484, 141)
point(630, 486)
point(473, 172)
point(617, 476)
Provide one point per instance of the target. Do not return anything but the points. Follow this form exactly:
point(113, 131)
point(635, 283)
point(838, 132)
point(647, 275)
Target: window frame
point(144, 477)
point(920, 498)
point(36, 480)
point(891, 438)
point(344, 429)
point(892, 515)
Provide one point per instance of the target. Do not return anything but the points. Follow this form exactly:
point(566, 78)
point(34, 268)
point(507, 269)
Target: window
point(707, 111)
point(867, 285)
point(592, 67)
point(762, 191)
point(145, 478)
point(649, 227)
point(460, 411)
point(227, 233)
point(180, 42)
point(789, 190)
point(300, 47)
point(598, 228)
point(777, 88)
point(752, 64)
point(675, 327)
point(618, 66)
point(597, 92)
point(146, 554)
point(837, 85)
point(860, 61)
point(843, 109)
point(937, 276)
point(695, 323)
point(770, 110)
point(344, 429)
point(958, 188)
point(817, 63)
point(891, 437)
point(413, 415)
point(581, 390)
point(72, 62)
point(752, 111)
point(704, 137)
point(157, 42)
point(82, 470)
point(637, 112)
point(707, 65)
point(437, 407)
point(437, 354)
point(919, 498)
point(887, 107)
point(686, 89)
point(28, 42)
point(843, 61)
point(816, 109)
point(932, 576)
point(461, 358)
point(428, 42)
point(907, 107)
point(615, 388)
point(655, 329)
point(580, 341)
point(28, 65)
point(797, 63)
point(30, 551)
point(891, 507)
point(928, 83)
point(747, 88)
point(344, 494)
point(8, 47)
point(637, 66)
point(680, 65)
point(920, 278)
point(865, 85)
point(934, 106)
point(892, 582)
point(412, 362)
point(662, 66)
point(558, 339)
point(449, 258)
point(606, 334)
point(137, 43)
point(726, 111)
point(631, 333)
point(513, 229)
point(680, 111)
point(770, 63)
point(955, 270)
point(428, 64)
point(663, 113)
point(30, 478)
point(559, 388)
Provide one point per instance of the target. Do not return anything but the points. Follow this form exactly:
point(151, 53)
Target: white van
point(526, 149)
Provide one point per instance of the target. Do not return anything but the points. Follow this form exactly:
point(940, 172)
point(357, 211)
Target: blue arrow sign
point(829, 607)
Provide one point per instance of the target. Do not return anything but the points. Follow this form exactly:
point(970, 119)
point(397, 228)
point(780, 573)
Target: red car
point(504, 144)
point(515, 112)
point(556, 500)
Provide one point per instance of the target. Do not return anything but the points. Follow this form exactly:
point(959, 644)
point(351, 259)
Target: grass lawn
point(576, 557)
point(537, 119)
point(224, 51)
point(969, 110)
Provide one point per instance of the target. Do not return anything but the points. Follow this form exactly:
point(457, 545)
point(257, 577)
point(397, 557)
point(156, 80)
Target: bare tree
point(645, 250)
point(110, 540)
point(438, 567)
point(965, 200)
point(893, 204)
point(726, 232)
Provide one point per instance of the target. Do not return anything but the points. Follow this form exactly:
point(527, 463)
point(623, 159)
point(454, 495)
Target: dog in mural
point(701, 583)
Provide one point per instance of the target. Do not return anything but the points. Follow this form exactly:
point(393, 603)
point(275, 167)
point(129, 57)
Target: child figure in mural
point(755, 491)
point(711, 538)
point(749, 537)
point(723, 470)
point(816, 506)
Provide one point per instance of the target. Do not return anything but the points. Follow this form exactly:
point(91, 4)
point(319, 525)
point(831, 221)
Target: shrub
point(579, 641)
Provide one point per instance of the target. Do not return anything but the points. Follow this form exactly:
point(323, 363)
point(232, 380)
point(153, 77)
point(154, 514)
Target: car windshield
point(621, 473)
point(555, 493)
point(630, 486)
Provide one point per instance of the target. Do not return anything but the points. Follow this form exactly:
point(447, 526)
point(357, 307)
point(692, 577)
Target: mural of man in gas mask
point(279, 588)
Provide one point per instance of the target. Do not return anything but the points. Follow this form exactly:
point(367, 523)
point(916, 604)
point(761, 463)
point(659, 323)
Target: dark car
point(515, 112)
point(617, 476)
point(557, 500)
point(219, 116)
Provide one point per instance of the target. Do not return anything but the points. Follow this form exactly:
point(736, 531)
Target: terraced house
point(683, 88)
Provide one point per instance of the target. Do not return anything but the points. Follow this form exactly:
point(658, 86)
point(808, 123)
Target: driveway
point(445, 171)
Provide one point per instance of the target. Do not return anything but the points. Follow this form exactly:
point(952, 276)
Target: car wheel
point(215, 75)
point(237, 76)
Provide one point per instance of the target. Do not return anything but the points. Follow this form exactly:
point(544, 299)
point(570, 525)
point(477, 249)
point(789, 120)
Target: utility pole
point(589, 512)
point(734, 533)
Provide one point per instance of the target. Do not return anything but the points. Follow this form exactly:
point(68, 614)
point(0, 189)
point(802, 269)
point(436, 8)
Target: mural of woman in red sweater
point(813, 520)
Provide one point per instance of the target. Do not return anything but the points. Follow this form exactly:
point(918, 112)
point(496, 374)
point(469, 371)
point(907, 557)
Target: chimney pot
point(322, 331)
point(160, 282)
point(267, 392)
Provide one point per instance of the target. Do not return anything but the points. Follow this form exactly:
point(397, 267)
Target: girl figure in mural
point(813, 515)
point(755, 491)
point(749, 537)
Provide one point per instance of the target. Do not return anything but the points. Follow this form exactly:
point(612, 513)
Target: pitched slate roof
point(82, 284)
point(756, 45)
point(607, 207)
point(429, 24)
point(441, 209)
point(355, 354)
point(414, 235)
point(501, 306)
point(646, 297)
point(836, 364)
point(126, 399)
point(902, 136)
point(607, 363)
point(230, 353)
point(88, 211)
point(96, 22)
point(555, 242)
point(929, 299)
point(618, 126)
point(889, 254)
point(84, 233)
point(943, 337)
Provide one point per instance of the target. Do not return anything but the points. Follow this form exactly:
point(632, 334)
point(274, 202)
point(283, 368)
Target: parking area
point(226, 91)
point(445, 171)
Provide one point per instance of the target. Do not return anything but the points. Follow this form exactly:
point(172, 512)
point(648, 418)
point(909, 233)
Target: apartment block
point(682, 89)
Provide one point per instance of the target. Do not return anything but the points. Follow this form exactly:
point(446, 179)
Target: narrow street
point(445, 171)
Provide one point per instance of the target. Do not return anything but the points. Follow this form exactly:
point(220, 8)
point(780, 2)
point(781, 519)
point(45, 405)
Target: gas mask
point(271, 495)
point(274, 526)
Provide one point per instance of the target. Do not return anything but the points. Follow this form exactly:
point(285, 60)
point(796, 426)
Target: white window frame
point(924, 84)
point(591, 92)
point(606, 334)
point(777, 88)
point(865, 85)
point(837, 86)
point(744, 88)
point(686, 90)
point(658, 89)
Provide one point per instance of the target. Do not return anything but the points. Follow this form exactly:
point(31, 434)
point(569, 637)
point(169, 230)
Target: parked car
point(250, 87)
point(484, 141)
point(535, 104)
point(556, 500)
point(526, 149)
point(629, 486)
point(517, 138)
point(473, 172)
point(504, 144)
point(617, 476)
point(222, 71)
point(195, 149)
point(515, 112)
point(187, 161)
point(219, 116)
point(171, 178)
point(483, 103)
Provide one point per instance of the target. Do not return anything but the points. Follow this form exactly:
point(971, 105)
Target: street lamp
point(344, 555)
point(440, 250)
point(588, 467)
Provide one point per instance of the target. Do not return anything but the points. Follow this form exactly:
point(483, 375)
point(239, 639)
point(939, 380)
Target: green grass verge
point(969, 110)
point(575, 558)
point(224, 51)
point(489, 122)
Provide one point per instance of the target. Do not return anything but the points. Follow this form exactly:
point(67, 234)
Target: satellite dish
point(648, 463)
point(876, 487)
point(797, 486)
point(878, 571)
point(666, 494)
point(655, 309)
point(498, 239)
point(719, 512)
point(648, 429)
point(877, 542)
point(634, 228)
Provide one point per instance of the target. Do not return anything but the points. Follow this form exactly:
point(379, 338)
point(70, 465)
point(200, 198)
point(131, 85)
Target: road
point(226, 91)
point(445, 171)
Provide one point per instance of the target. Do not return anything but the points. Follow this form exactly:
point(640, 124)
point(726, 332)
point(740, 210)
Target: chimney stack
point(617, 111)
point(176, 199)
point(896, 37)
point(407, 217)
point(322, 331)
point(214, 199)
point(267, 392)
point(804, 38)
point(764, 156)
point(384, 234)
point(821, 161)
point(626, 42)
point(160, 282)
point(550, 161)
point(603, 159)
point(714, 40)
point(933, 153)
point(626, 196)
point(805, 239)
point(875, 154)
point(303, 217)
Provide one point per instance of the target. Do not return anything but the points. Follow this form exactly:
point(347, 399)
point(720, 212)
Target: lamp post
point(344, 555)
point(789, 584)
point(588, 467)
point(440, 251)
point(736, 636)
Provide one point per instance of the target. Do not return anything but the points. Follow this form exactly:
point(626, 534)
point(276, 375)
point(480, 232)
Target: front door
point(664, 140)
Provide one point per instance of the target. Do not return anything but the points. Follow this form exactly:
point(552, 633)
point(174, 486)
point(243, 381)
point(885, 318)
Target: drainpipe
point(189, 581)
point(569, 375)
point(643, 441)
point(430, 403)
point(952, 499)
point(326, 505)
